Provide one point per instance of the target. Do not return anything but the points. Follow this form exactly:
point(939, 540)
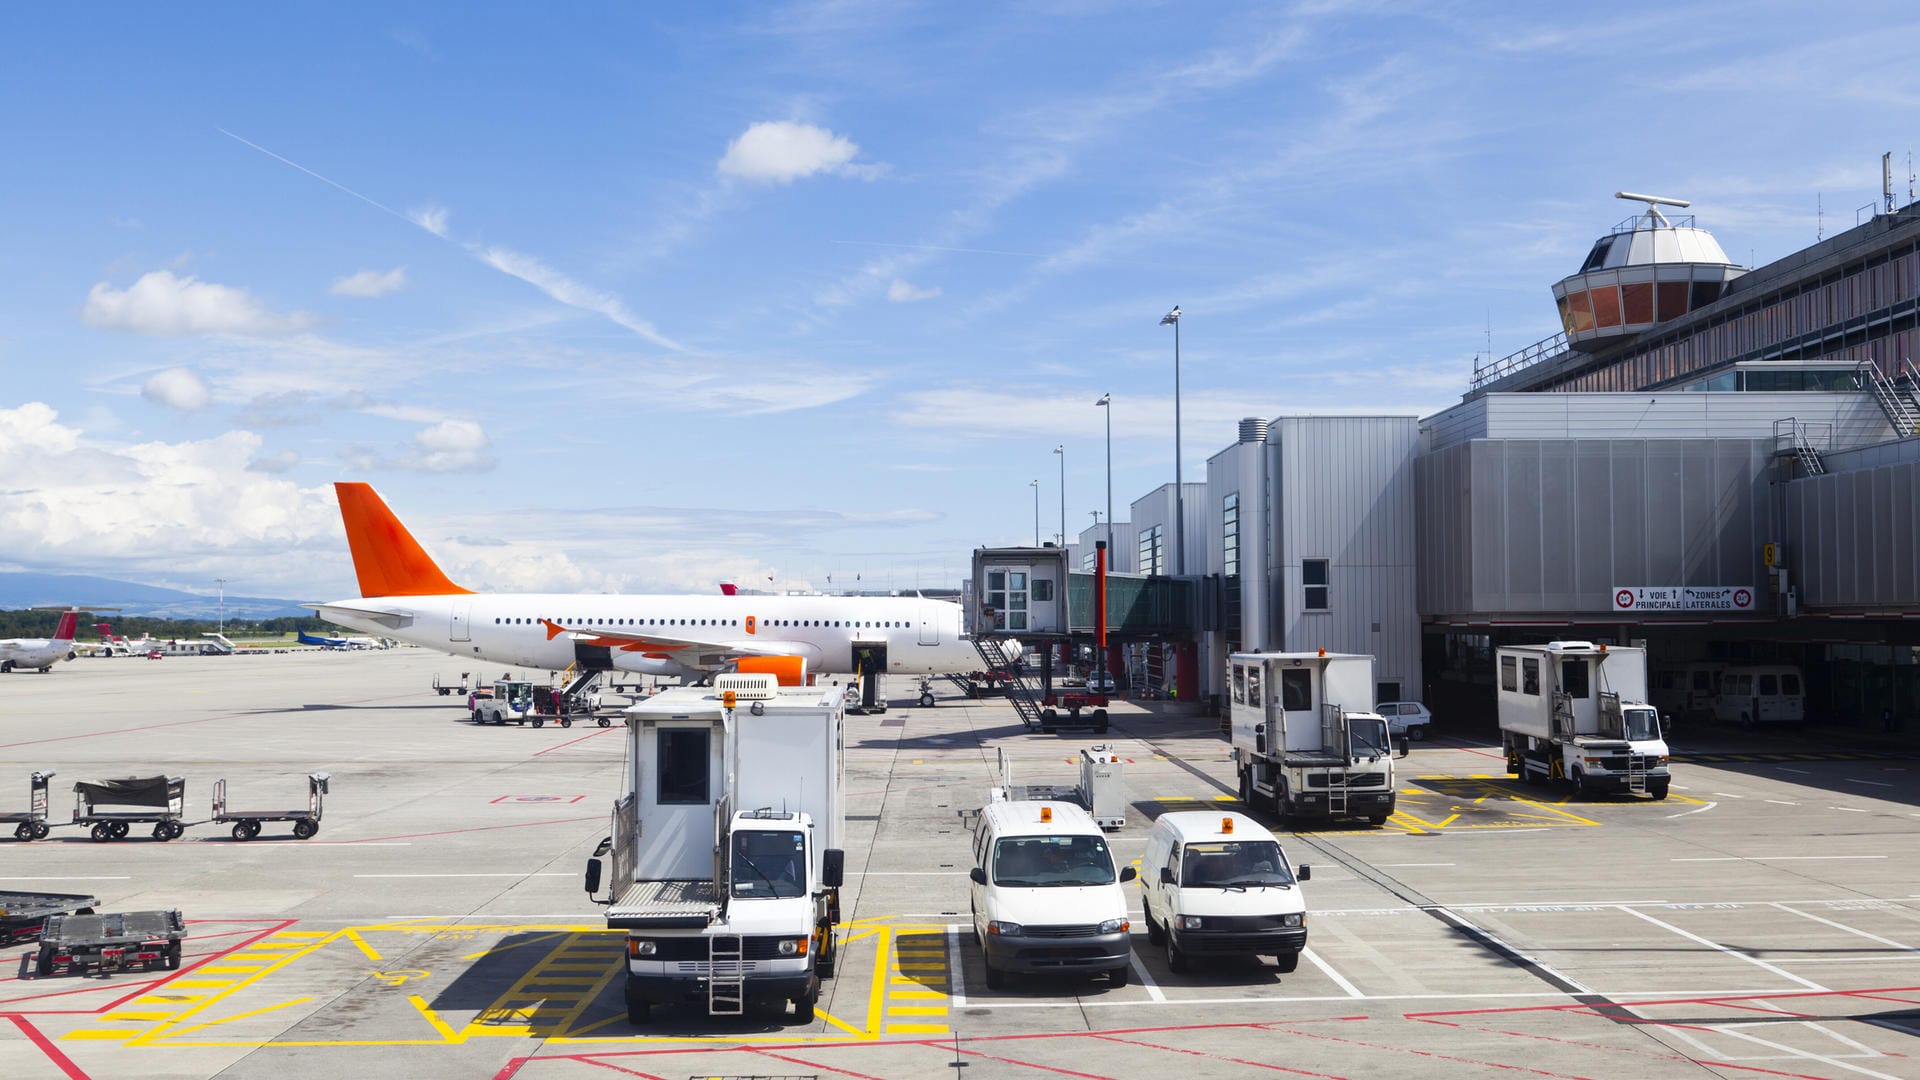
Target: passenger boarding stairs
point(1025, 701)
point(1797, 440)
point(1898, 396)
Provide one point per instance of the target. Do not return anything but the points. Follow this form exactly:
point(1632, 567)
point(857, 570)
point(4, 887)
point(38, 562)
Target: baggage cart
point(113, 942)
point(246, 823)
point(23, 914)
point(157, 800)
point(31, 823)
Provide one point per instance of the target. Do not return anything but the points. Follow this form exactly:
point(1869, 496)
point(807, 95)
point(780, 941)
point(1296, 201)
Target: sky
point(641, 297)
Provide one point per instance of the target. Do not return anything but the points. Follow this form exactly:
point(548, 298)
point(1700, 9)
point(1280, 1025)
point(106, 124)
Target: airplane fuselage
point(40, 653)
point(920, 637)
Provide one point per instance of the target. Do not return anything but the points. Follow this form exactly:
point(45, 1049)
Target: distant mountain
point(25, 590)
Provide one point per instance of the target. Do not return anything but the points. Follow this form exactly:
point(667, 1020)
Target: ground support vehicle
point(726, 869)
point(549, 705)
point(23, 914)
point(161, 802)
point(1045, 897)
point(246, 823)
point(1075, 701)
point(1102, 790)
point(1305, 743)
point(445, 688)
point(509, 702)
point(31, 823)
point(1576, 711)
point(1222, 887)
point(112, 942)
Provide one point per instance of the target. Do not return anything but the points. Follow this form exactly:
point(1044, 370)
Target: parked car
point(1408, 718)
point(1100, 682)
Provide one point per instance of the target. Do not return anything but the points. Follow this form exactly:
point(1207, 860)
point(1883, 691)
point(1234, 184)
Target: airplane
point(405, 595)
point(42, 653)
point(338, 642)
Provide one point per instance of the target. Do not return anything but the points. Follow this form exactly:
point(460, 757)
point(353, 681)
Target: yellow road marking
point(916, 1010)
point(433, 1018)
point(138, 1016)
point(361, 943)
point(239, 1016)
point(101, 1033)
point(916, 1029)
point(937, 994)
point(510, 948)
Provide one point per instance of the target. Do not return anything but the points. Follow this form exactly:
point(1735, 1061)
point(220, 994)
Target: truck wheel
point(1579, 779)
point(303, 830)
point(43, 965)
point(121, 829)
point(1176, 958)
point(1280, 801)
point(1246, 790)
point(996, 979)
point(1286, 962)
point(162, 832)
point(1658, 789)
point(603, 721)
point(803, 1005)
point(41, 830)
point(639, 1009)
point(1099, 721)
point(172, 959)
point(102, 832)
point(240, 832)
point(1376, 820)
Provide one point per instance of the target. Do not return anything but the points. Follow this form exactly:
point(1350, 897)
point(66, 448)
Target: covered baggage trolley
point(24, 914)
point(111, 942)
point(31, 823)
point(246, 823)
point(161, 801)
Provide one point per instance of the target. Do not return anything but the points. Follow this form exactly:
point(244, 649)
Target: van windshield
point(767, 863)
point(1045, 861)
point(1234, 864)
point(1641, 724)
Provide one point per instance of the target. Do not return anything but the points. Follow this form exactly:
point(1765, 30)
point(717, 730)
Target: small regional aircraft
point(338, 642)
point(42, 653)
point(405, 595)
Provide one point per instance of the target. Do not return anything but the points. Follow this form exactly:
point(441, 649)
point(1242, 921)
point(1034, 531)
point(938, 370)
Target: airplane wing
point(393, 619)
point(710, 650)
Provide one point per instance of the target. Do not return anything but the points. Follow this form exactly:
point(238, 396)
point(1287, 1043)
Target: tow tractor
point(510, 701)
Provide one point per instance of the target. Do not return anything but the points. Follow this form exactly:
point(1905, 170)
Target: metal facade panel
point(1525, 538)
point(1854, 418)
point(1487, 488)
point(1594, 518)
point(1559, 546)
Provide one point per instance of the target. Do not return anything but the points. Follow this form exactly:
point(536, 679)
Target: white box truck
point(1578, 712)
point(1306, 742)
point(726, 866)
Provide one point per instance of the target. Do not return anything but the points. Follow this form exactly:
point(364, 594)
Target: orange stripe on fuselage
point(388, 560)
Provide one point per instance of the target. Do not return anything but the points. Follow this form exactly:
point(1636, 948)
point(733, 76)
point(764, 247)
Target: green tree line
point(40, 624)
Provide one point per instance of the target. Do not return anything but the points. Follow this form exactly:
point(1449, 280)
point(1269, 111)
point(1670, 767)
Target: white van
point(1218, 884)
point(1758, 694)
point(1046, 898)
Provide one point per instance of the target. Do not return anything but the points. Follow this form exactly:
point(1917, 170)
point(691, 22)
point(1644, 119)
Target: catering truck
point(1306, 742)
point(1578, 712)
point(725, 862)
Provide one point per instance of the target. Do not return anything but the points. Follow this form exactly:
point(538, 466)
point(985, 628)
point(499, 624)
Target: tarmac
point(1764, 920)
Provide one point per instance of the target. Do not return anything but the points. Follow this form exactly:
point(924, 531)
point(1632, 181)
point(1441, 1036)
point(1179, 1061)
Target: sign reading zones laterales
point(1683, 598)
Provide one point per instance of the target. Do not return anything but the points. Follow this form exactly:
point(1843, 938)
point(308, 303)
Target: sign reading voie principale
point(1683, 598)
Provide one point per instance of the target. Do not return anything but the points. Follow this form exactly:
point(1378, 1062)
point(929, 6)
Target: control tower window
point(1598, 256)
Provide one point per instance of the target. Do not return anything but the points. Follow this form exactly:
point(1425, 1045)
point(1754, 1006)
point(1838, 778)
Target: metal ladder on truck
point(1025, 701)
point(726, 975)
point(1614, 723)
point(1333, 737)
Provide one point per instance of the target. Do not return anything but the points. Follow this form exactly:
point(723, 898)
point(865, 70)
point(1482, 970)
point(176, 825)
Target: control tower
point(1649, 269)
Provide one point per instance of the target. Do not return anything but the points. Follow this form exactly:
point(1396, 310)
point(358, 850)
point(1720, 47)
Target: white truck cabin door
point(929, 624)
point(679, 780)
point(458, 630)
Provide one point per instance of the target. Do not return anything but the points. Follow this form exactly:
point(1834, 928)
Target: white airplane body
point(41, 653)
point(684, 636)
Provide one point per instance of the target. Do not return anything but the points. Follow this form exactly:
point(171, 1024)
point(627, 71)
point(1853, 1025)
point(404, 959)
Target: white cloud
point(430, 217)
point(161, 303)
point(443, 447)
point(781, 151)
point(177, 388)
point(905, 292)
point(277, 462)
point(371, 283)
point(570, 292)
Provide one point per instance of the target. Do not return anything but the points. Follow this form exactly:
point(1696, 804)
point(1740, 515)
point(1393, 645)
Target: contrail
point(375, 203)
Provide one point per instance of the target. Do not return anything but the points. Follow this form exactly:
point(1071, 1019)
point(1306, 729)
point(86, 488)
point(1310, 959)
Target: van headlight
point(1003, 928)
point(641, 948)
point(1293, 920)
point(1114, 926)
point(789, 947)
point(1192, 922)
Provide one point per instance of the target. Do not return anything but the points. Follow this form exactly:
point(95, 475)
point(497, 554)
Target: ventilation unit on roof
point(753, 686)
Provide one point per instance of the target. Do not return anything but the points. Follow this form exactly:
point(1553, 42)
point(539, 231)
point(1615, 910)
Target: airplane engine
point(789, 670)
point(642, 664)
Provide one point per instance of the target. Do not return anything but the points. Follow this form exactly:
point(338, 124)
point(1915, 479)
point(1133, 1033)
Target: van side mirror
point(593, 876)
point(1405, 747)
point(1166, 875)
point(1306, 872)
point(606, 845)
point(977, 876)
point(1128, 874)
point(1666, 725)
point(833, 867)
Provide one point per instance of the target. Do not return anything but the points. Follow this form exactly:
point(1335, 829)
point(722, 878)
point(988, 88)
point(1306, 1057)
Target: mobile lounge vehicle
point(1304, 741)
point(1578, 712)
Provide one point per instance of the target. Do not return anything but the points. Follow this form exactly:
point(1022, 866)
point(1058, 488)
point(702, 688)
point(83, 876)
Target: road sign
point(1769, 554)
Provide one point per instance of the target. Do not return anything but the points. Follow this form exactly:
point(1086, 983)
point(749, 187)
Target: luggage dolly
point(164, 795)
point(23, 915)
point(31, 824)
point(246, 824)
point(111, 942)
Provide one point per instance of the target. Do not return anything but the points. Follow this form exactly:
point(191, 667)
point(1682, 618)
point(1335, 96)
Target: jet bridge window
point(685, 759)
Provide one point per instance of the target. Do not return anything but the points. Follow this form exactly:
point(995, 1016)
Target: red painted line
point(62, 1061)
point(1034, 1065)
point(812, 1065)
point(583, 738)
point(1435, 1055)
point(1219, 1057)
point(618, 1069)
point(512, 1066)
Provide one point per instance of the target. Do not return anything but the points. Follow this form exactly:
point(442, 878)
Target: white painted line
point(1716, 858)
point(1875, 783)
point(1395, 865)
point(64, 877)
point(1627, 999)
point(908, 873)
point(1802, 772)
point(1850, 809)
point(1729, 950)
point(553, 873)
point(1695, 810)
point(1728, 795)
point(1796, 1053)
point(1902, 946)
point(1146, 980)
point(1486, 935)
point(1782, 802)
point(1341, 980)
point(1779, 858)
point(958, 982)
point(1849, 959)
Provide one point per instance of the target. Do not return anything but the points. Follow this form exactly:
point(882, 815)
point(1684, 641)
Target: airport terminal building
point(1718, 461)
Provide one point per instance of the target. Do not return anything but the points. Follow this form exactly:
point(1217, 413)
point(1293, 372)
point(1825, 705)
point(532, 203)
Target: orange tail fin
point(388, 559)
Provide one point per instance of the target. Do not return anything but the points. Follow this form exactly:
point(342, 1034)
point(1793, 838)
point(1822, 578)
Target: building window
point(1313, 576)
point(1152, 553)
point(685, 759)
point(1230, 533)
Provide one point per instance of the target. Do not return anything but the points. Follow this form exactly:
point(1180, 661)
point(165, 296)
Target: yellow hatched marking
point(916, 1010)
point(526, 1011)
point(212, 984)
point(166, 999)
point(433, 1018)
point(916, 1029)
point(904, 993)
point(138, 1017)
point(301, 933)
point(203, 1025)
point(360, 943)
point(236, 969)
point(101, 1033)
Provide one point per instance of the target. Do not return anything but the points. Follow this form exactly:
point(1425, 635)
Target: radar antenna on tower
point(1654, 202)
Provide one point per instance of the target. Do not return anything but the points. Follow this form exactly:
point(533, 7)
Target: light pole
point(1035, 484)
point(1062, 451)
point(1106, 402)
point(1179, 500)
point(223, 605)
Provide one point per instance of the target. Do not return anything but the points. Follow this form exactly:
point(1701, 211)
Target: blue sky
point(646, 297)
